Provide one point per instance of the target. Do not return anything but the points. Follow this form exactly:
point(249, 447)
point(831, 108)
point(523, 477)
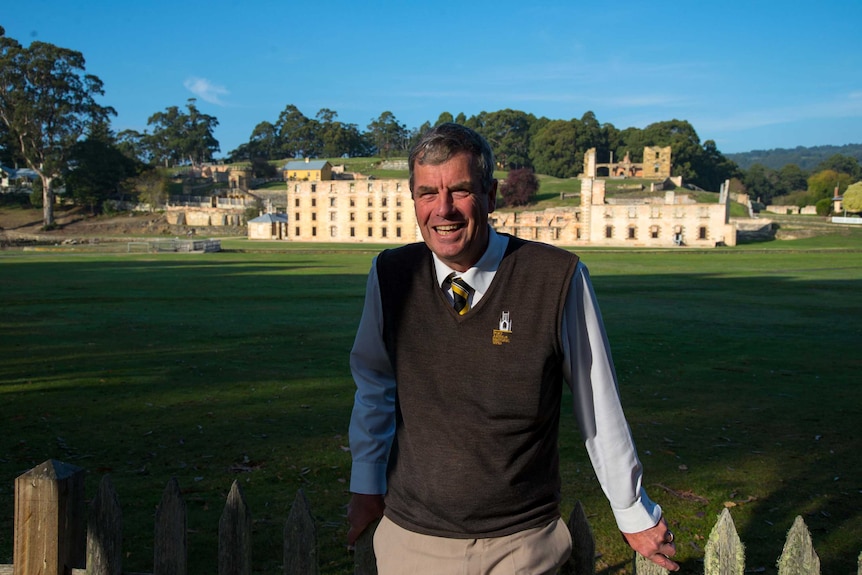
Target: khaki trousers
point(538, 551)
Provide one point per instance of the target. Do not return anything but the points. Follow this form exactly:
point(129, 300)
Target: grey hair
point(442, 142)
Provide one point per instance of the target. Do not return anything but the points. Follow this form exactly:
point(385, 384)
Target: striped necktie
point(461, 292)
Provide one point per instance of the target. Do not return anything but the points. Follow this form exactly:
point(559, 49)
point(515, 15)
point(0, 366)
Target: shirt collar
point(482, 273)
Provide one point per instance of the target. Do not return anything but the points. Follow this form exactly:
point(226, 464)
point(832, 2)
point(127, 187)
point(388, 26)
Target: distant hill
point(805, 158)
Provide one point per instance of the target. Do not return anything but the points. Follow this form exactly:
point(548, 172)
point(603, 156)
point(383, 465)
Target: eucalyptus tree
point(47, 103)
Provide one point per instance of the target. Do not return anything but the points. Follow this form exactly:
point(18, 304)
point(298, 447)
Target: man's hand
point(656, 544)
point(361, 512)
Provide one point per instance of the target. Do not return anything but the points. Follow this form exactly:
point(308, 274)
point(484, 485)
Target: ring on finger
point(668, 537)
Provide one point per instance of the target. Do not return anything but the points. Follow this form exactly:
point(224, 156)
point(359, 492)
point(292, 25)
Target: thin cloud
point(206, 90)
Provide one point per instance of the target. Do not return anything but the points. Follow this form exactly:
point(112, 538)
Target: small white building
point(268, 227)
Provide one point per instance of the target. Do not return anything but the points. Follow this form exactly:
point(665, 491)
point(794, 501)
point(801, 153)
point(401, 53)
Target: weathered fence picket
point(300, 538)
point(234, 535)
point(105, 532)
point(50, 539)
point(170, 549)
point(724, 553)
point(583, 559)
point(798, 556)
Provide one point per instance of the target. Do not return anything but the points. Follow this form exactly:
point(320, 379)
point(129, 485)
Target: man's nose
point(444, 203)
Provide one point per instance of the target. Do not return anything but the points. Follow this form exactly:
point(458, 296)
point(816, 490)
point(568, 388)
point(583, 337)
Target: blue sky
point(749, 74)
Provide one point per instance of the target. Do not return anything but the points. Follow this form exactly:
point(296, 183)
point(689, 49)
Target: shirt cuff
point(644, 514)
point(368, 478)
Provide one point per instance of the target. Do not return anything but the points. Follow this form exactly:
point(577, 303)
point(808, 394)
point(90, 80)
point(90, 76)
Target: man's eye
point(460, 194)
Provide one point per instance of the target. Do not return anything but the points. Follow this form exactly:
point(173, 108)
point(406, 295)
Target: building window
point(577, 233)
point(609, 232)
point(352, 232)
point(370, 202)
point(384, 216)
point(352, 216)
point(296, 217)
point(313, 202)
point(296, 229)
point(370, 187)
point(352, 185)
point(296, 203)
point(383, 202)
point(352, 203)
point(397, 216)
point(654, 232)
point(370, 232)
point(383, 232)
point(370, 217)
point(398, 201)
point(632, 233)
point(314, 216)
point(398, 232)
point(313, 188)
point(331, 202)
point(333, 231)
point(701, 233)
point(313, 231)
point(332, 216)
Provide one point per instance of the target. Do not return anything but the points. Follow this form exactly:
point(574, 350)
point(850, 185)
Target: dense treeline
point(519, 139)
point(51, 122)
point(805, 158)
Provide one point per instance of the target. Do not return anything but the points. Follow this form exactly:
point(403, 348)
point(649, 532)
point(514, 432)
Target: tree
point(179, 137)
point(444, 118)
point(47, 102)
point(554, 150)
point(758, 183)
point(388, 135)
point(519, 188)
point(150, 187)
point(853, 198)
point(297, 135)
point(95, 171)
point(791, 178)
point(508, 132)
point(823, 184)
point(841, 164)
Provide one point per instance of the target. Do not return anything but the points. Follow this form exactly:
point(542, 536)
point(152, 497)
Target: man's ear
point(492, 197)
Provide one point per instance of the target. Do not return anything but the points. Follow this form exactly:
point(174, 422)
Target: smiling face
point(452, 210)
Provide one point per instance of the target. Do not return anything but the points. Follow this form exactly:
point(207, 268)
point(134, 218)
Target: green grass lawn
point(738, 369)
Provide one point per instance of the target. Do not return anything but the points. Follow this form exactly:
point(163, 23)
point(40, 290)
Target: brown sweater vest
point(478, 396)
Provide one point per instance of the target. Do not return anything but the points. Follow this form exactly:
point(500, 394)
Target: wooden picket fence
point(50, 536)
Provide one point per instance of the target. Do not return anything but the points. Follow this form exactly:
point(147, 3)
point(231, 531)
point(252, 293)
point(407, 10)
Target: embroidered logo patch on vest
point(501, 335)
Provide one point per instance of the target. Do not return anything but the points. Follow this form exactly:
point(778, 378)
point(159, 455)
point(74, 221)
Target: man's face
point(452, 210)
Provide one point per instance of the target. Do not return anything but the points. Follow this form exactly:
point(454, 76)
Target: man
point(464, 342)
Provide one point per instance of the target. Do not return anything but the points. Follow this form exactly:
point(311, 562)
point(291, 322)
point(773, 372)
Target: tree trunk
point(47, 201)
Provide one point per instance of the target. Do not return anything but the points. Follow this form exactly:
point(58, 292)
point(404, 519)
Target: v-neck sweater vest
point(477, 396)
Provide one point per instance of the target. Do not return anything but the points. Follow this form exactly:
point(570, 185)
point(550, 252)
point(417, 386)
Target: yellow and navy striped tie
point(461, 292)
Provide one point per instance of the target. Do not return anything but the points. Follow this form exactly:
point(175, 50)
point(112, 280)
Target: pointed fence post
point(300, 539)
point(364, 559)
point(234, 535)
point(49, 520)
point(724, 553)
point(798, 556)
point(105, 532)
point(583, 558)
point(170, 548)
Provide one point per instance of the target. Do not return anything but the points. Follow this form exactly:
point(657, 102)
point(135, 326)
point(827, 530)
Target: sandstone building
point(381, 211)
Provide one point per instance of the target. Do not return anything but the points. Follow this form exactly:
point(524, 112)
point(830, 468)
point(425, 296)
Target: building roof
point(270, 219)
point(305, 165)
point(20, 173)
